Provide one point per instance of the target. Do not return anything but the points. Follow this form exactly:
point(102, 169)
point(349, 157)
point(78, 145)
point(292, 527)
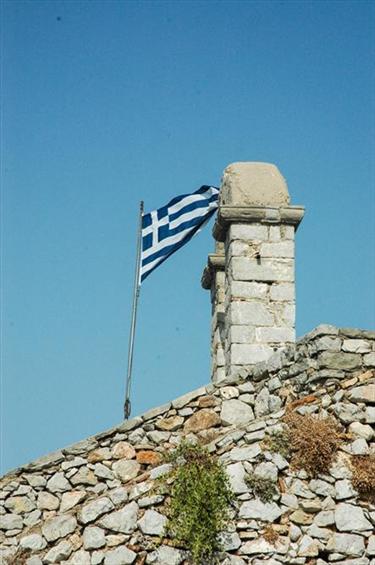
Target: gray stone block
point(238, 248)
point(165, 555)
point(154, 412)
point(248, 290)
point(328, 343)
point(249, 354)
point(347, 544)
point(248, 232)
point(322, 329)
point(237, 474)
point(152, 523)
point(123, 521)
point(92, 510)
point(249, 313)
point(270, 270)
point(356, 346)
point(236, 413)
point(277, 249)
point(120, 555)
point(258, 510)
point(130, 424)
point(46, 461)
point(287, 232)
point(93, 537)
point(59, 527)
point(219, 375)
point(242, 334)
point(282, 292)
point(186, 398)
point(357, 333)
point(81, 446)
point(275, 335)
point(274, 233)
point(331, 360)
point(365, 393)
point(369, 360)
point(59, 552)
point(11, 522)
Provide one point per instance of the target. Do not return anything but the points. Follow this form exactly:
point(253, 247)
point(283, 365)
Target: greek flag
point(167, 229)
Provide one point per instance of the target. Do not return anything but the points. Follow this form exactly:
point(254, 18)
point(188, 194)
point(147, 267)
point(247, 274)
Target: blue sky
point(107, 103)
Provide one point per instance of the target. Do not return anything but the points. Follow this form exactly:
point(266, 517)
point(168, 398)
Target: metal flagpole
point(137, 286)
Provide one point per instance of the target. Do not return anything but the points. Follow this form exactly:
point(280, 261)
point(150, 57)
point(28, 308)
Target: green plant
point(279, 442)
point(200, 499)
point(262, 487)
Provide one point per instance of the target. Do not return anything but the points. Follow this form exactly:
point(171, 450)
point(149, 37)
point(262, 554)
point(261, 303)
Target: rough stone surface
point(71, 499)
point(92, 510)
point(253, 184)
point(165, 554)
point(247, 453)
point(152, 523)
point(350, 518)
point(59, 527)
point(84, 476)
point(170, 424)
point(123, 520)
point(123, 450)
point(237, 474)
point(80, 557)
point(371, 545)
point(11, 522)
point(202, 420)
point(120, 556)
point(126, 470)
point(236, 413)
point(34, 542)
point(47, 501)
point(148, 457)
point(93, 537)
point(361, 430)
point(364, 394)
point(347, 544)
point(186, 398)
point(112, 516)
point(258, 510)
point(58, 483)
point(59, 552)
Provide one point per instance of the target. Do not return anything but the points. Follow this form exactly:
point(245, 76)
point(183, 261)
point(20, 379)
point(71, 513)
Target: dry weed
point(314, 441)
point(270, 534)
point(363, 475)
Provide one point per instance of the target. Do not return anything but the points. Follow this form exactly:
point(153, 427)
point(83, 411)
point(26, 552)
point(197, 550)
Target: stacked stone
point(260, 297)
point(257, 226)
point(95, 502)
point(213, 279)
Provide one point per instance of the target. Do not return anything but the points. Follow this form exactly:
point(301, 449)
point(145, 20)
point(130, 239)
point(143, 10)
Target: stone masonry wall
point(214, 280)
point(93, 502)
point(260, 295)
point(257, 225)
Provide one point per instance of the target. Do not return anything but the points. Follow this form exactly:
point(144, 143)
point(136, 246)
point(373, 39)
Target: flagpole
point(136, 290)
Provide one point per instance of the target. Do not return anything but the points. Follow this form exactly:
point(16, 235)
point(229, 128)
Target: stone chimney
point(251, 273)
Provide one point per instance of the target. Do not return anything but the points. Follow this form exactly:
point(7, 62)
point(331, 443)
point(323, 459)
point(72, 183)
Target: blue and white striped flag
point(167, 229)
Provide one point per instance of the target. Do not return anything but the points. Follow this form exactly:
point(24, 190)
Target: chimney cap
point(253, 184)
